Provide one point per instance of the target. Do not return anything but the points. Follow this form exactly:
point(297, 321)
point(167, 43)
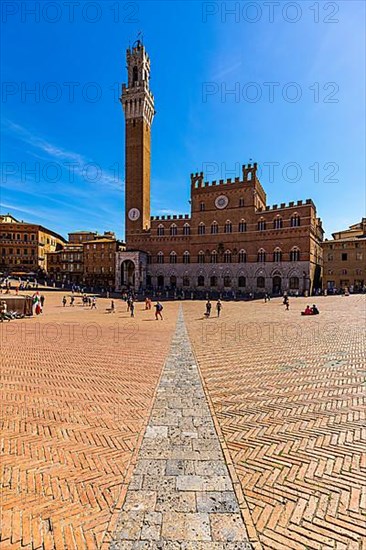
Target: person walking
point(286, 302)
point(72, 300)
point(94, 303)
point(218, 307)
point(64, 301)
point(42, 299)
point(208, 309)
point(158, 311)
point(132, 308)
point(112, 307)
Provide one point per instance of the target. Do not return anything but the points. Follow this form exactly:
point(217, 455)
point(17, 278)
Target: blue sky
point(306, 129)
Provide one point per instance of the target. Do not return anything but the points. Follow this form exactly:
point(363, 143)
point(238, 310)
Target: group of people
point(131, 307)
point(38, 303)
point(207, 313)
point(90, 301)
point(6, 315)
point(311, 310)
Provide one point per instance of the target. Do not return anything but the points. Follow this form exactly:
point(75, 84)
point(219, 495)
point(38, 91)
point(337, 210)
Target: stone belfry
point(138, 105)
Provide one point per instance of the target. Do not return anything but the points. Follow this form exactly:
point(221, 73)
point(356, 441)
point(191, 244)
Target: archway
point(276, 284)
point(128, 274)
point(173, 281)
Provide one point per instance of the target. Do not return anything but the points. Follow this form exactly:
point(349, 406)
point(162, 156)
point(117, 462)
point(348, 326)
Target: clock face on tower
point(221, 202)
point(134, 214)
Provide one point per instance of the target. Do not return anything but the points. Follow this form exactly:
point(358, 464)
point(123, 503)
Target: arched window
point(242, 226)
point(241, 282)
point(160, 230)
point(135, 75)
point(295, 220)
point(295, 255)
point(148, 259)
point(213, 280)
point(261, 225)
point(201, 257)
point(201, 229)
point(186, 257)
point(261, 255)
point(242, 257)
point(227, 281)
point(160, 281)
point(173, 229)
point(186, 229)
point(227, 257)
point(294, 283)
point(277, 255)
point(261, 283)
point(173, 257)
point(214, 228)
point(241, 202)
point(201, 280)
point(186, 280)
point(160, 257)
point(228, 228)
point(214, 257)
point(278, 223)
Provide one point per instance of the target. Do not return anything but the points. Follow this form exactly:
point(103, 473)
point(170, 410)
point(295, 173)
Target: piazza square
point(183, 276)
point(259, 446)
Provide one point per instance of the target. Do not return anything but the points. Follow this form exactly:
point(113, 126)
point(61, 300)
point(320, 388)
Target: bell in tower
point(138, 106)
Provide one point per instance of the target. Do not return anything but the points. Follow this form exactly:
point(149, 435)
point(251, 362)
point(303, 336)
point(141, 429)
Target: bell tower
point(138, 106)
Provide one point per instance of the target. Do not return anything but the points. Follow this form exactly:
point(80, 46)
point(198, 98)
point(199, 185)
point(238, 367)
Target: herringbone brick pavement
point(77, 387)
point(289, 396)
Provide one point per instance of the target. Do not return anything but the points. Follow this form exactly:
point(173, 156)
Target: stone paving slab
point(181, 494)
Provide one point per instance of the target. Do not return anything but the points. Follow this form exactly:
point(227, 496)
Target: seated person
point(308, 311)
point(315, 310)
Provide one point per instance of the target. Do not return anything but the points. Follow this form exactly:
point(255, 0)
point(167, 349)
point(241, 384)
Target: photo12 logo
point(56, 92)
point(270, 12)
point(270, 92)
point(274, 171)
point(69, 11)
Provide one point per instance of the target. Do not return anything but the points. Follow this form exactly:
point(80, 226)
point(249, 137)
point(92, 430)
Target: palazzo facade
point(231, 240)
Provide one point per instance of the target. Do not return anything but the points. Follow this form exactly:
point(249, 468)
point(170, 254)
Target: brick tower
point(138, 105)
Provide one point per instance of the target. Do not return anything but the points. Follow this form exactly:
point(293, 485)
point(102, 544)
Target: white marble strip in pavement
point(181, 495)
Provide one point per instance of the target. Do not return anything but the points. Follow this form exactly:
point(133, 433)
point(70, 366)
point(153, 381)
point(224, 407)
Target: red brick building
point(231, 239)
point(88, 259)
